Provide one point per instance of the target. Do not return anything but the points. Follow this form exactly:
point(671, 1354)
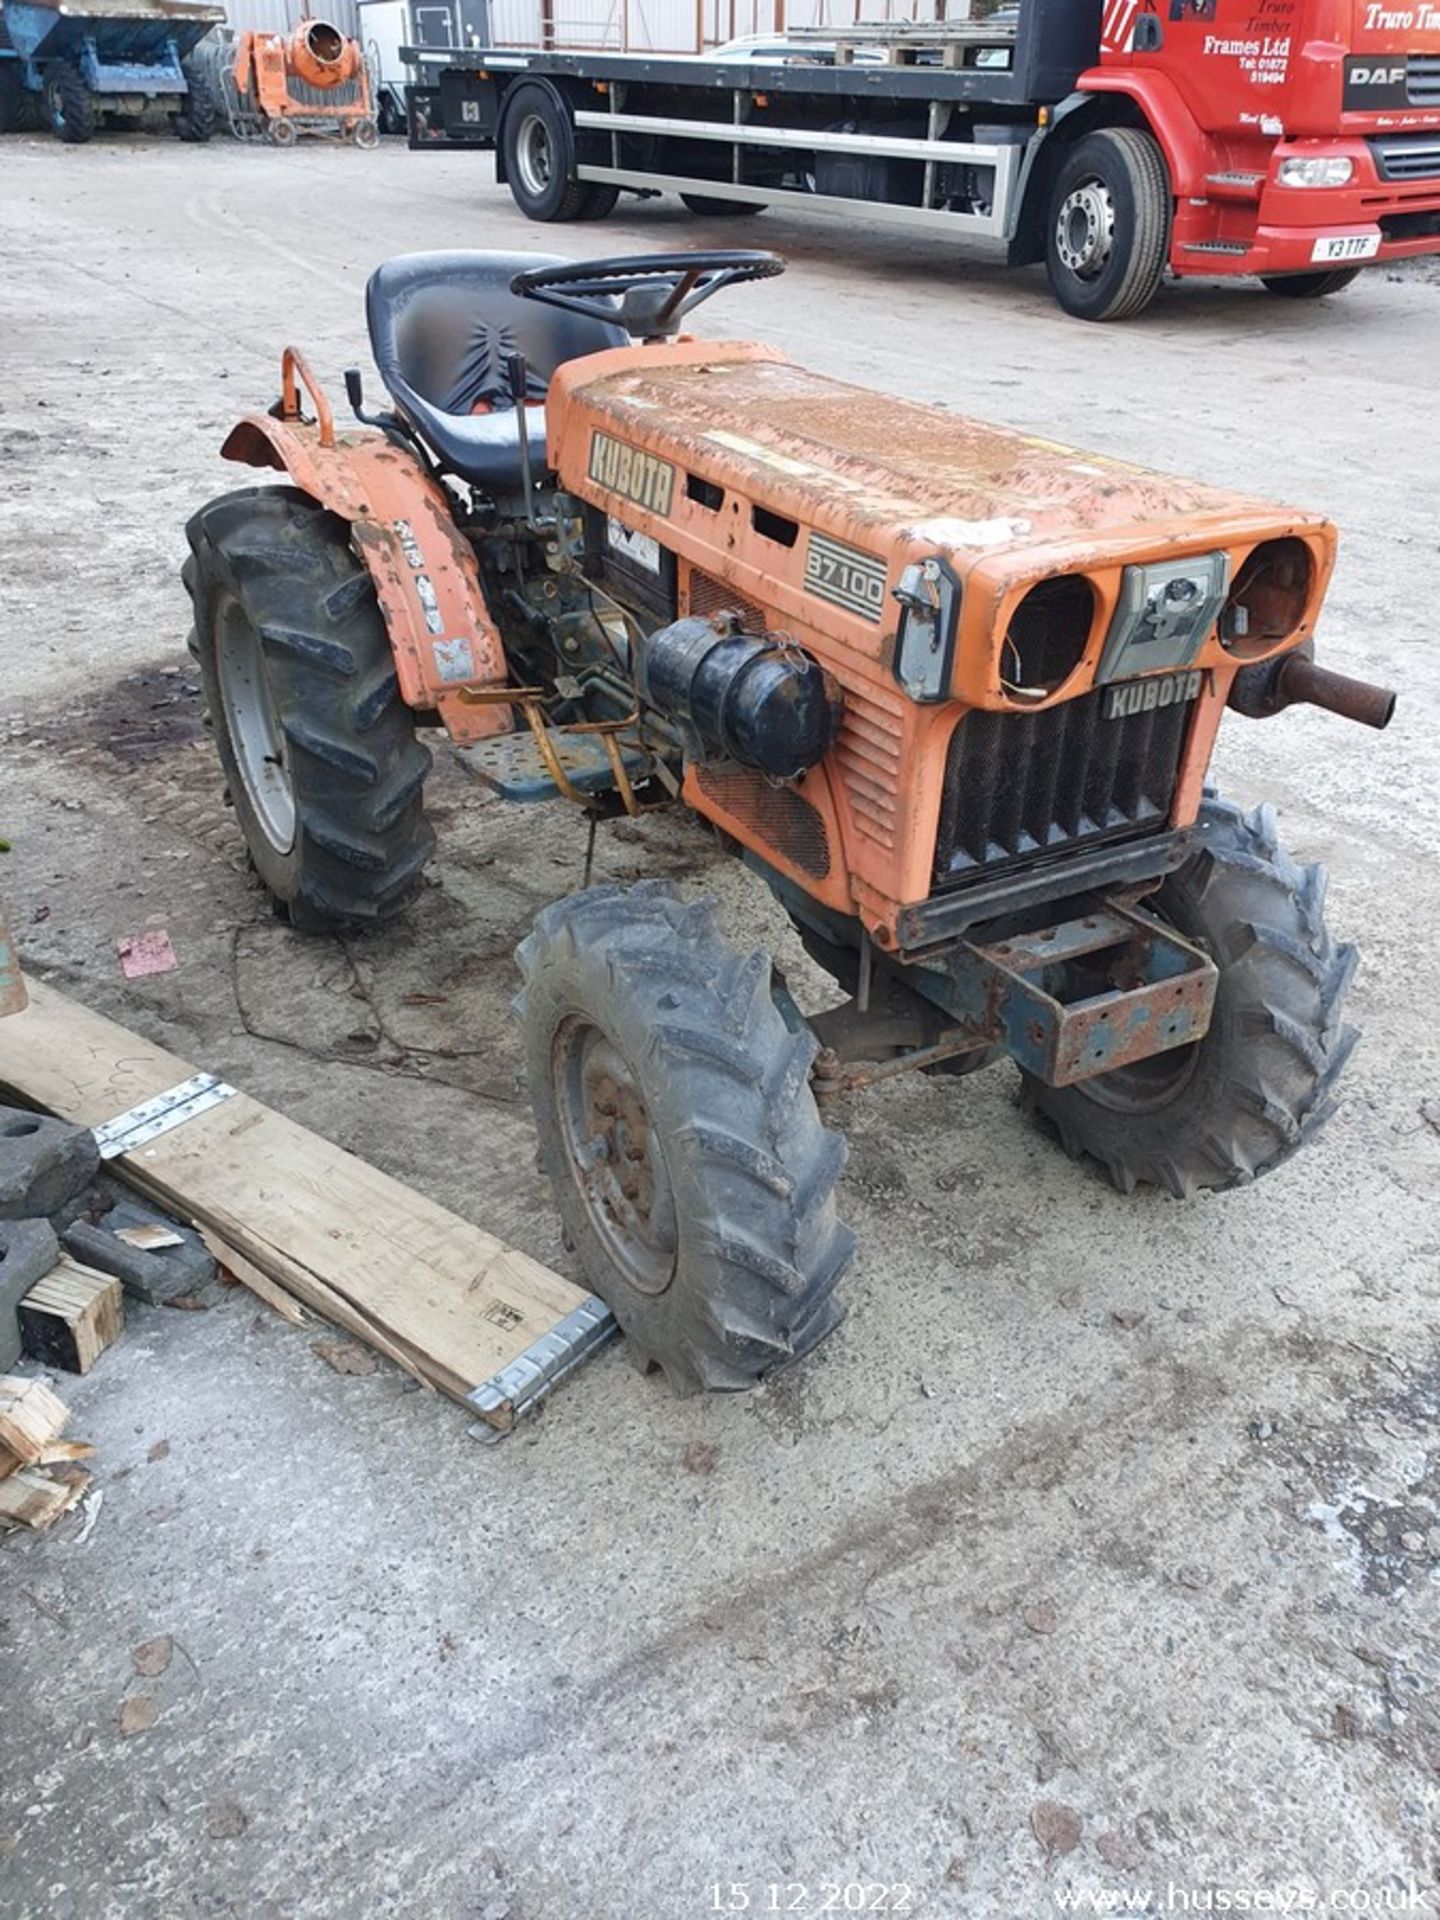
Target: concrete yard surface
point(1098, 1550)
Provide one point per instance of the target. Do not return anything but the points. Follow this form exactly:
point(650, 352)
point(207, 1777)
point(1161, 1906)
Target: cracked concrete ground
point(1096, 1550)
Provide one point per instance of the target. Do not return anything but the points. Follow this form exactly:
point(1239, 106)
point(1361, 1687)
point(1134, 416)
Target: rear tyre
point(1309, 286)
point(317, 747)
point(537, 141)
point(601, 201)
point(1235, 1104)
point(676, 1123)
point(195, 121)
point(70, 104)
point(1107, 234)
point(709, 209)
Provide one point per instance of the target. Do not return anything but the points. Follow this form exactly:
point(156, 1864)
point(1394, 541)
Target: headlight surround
point(1164, 614)
point(929, 594)
point(1316, 170)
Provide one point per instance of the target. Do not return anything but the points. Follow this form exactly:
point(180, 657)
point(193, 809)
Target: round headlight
point(1269, 598)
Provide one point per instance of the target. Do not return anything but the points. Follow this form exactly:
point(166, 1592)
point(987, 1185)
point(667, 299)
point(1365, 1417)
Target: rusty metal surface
point(131, 10)
point(1300, 682)
point(1153, 992)
point(426, 578)
point(885, 468)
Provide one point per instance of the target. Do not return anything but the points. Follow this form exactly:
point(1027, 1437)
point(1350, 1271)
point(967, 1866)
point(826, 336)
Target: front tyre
point(677, 1126)
point(1108, 228)
point(318, 749)
point(1235, 1104)
point(1309, 286)
point(195, 120)
point(537, 138)
point(69, 103)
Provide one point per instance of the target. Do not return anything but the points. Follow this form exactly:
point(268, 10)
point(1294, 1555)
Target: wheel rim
point(252, 723)
point(1085, 229)
point(57, 105)
point(534, 155)
point(614, 1154)
point(1147, 1085)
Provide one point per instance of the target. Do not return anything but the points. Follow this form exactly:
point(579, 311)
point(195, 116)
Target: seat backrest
point(443, 324)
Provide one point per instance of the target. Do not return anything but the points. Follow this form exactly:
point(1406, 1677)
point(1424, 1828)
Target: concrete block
point(28, 1250)
point(44, 1163)
point(153, 1275)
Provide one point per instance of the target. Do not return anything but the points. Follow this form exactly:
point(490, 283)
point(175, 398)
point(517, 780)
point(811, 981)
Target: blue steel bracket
point(1160, 993)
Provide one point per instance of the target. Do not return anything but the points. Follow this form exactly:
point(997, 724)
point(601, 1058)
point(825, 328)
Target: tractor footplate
point(1086, 996)
point(514, 765)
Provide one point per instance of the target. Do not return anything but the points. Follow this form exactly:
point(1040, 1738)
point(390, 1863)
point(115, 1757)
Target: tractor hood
point(660, 429)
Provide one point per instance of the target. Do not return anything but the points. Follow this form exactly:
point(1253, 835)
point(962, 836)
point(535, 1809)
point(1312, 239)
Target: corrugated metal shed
point(280, 16)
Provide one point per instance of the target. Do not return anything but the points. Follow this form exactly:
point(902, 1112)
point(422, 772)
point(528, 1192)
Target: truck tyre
point(70, 103)
point(1107, 234)
point(537, 139)
point(318, 749)
point(1225, 1110)
point(709, 209)
point(1309, 286)
point(677, 1126)
point(195, 120)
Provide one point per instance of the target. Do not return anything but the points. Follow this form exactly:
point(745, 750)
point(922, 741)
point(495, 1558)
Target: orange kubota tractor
point(950, 691)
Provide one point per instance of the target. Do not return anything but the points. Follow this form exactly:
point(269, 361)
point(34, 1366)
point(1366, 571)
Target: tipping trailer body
point(1298, 138)
point(124, 54)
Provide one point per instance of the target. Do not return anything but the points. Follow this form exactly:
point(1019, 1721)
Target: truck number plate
point(1346, 246)
point(1155, 690)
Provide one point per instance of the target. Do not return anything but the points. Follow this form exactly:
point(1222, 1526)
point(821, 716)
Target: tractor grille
point(867, 752)
point(1424, 80)
point(1408, 156)
point(709, 596)
point(1020, 786)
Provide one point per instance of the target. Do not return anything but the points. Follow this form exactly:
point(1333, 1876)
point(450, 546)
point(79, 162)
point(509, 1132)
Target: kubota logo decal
point(851, 579)
point(631, 473)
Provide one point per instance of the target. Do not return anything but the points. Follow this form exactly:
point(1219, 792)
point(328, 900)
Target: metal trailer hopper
point(68, 65)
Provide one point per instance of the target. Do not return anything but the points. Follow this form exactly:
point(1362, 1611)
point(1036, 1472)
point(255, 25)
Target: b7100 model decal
point(851, 579)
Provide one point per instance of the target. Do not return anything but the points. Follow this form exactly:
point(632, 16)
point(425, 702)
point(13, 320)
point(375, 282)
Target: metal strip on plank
point(521, 1385)
point(158, 1115)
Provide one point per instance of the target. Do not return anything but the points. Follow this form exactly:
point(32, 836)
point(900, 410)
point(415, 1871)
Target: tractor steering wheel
point(649, 294)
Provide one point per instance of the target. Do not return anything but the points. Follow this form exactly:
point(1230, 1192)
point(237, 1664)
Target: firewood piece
point(31, 1417)
point(69, 1318)
point(32, 1499)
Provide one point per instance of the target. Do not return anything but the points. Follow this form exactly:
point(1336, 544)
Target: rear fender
point(445, 643)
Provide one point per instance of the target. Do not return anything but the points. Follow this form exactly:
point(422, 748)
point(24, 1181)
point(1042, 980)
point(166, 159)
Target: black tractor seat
point(442, 328)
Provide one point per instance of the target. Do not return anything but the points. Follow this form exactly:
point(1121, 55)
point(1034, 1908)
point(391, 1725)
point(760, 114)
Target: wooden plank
point(260, 1284)
point(70, 1317)
point(30, 1418)
point(449, 1300)
point(12, 981)
point(32, 1499)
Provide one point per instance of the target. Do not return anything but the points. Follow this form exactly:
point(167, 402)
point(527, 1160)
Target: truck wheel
point(1233, 1105)
point(195, 120)
point(702, 204)
point(70, 103)
point(1108, 232)
point(319, 751)
point(677, 1126)
point(538, 142)
point(1309, 286)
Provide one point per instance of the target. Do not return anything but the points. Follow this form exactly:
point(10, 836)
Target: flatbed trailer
point(1295, 140)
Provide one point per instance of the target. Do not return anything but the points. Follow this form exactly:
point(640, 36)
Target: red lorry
point(1296, 140)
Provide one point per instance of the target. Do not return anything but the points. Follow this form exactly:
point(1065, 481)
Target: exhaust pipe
point(1295, 680)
